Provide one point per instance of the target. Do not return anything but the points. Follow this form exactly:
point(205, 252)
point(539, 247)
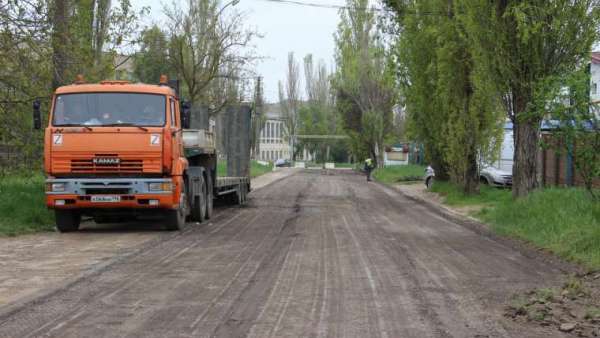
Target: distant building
point(274, 143)
point(595, 77)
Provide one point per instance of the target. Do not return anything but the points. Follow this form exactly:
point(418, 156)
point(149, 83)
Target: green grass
point(256, 169)
point(401, 173)
point(22, 206)
point(488, 196)
point(565, 221)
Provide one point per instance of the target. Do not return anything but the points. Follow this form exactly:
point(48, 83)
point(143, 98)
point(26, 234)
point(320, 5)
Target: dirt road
point(316, 254)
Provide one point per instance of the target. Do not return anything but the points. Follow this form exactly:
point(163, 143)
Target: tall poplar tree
point(521, 46)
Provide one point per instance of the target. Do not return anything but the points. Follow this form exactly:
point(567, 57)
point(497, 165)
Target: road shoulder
point(458, 215)
point(32, 266)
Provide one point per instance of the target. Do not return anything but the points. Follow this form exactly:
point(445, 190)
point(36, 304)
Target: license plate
point(106, 199)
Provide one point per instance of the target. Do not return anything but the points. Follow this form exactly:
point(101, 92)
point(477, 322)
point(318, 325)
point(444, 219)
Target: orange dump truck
point(116, 150)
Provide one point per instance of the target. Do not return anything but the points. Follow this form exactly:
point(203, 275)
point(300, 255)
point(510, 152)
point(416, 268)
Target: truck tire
point(67, 220)
point(199, 205)
point(175, 219)
point(239, 196)
point(209, 197)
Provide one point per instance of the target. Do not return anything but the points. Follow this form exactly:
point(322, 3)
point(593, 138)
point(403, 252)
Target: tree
point(576, 131)
point(208, 47)
point(363, 82)
point(153, 58)
point(520, 46)
point(449, 107)
point(86, 35)
point(317, 116)
point(43, 44)
point(289, 101)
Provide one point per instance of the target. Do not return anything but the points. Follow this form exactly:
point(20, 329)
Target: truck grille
point(107, 191)
point(129, 163)
point(124, 166)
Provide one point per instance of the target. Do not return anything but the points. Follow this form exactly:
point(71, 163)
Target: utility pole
point(257, 119)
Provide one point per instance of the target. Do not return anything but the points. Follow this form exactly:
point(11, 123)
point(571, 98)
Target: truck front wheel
point(67, 220)
point(175, 219)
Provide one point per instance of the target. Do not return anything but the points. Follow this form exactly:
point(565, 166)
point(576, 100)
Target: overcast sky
point(286, 28)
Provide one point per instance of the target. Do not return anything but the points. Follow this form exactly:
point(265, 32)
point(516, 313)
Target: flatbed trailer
point(200, 150)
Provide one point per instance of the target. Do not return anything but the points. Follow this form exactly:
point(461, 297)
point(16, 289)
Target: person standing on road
point(368, 168)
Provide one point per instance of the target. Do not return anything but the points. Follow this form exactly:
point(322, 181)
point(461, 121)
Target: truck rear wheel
point(209, 197)
point(175, 219)
point(67, 220)
point(199, 207)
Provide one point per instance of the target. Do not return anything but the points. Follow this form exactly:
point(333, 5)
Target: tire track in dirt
point(243, 315)
point(83, 295)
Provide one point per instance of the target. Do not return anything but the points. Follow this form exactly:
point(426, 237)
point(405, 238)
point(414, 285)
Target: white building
point(273, 143)
point(595, 74)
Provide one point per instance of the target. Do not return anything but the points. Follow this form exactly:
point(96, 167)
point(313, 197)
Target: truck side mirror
point(186, 114)
point(37, 115)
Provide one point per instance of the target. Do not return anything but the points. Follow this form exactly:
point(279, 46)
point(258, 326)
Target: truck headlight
point(160, 186)
point(57, 187)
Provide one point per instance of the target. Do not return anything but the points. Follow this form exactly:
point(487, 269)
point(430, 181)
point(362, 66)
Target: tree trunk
point(59, 42)
point(525, 157)
point(471, 176)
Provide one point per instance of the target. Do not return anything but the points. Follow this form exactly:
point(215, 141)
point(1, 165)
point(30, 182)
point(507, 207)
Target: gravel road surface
point(315, 254)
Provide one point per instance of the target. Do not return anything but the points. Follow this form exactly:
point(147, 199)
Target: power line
point(338, 7)
point(327, 6)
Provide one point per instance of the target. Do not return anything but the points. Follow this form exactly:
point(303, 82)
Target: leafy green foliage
point(364, 83)
point(39, 52)
point(577, 132)
point(152, 60)
point(520, 46)
point(448, 108)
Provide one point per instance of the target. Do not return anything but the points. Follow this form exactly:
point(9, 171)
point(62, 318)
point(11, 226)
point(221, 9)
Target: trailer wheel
point(209, 197)
point(199, 207)
point(244, 194)
point(175, 219)
point(240, 195)
point(67, 220)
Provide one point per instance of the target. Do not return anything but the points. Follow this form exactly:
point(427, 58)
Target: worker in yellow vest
point(369, 168)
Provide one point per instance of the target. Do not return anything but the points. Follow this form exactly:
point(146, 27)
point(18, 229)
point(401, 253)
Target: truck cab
point(115, 150)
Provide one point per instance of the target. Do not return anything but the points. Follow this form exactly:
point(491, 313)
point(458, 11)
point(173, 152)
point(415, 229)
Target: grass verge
point(401, 173)
point(256, 169)
point(565, 221)
point(22, 206)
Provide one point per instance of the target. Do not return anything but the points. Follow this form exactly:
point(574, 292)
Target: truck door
point(176, 128)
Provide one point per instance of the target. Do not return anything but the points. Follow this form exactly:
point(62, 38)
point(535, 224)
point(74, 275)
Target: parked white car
point(495, 177)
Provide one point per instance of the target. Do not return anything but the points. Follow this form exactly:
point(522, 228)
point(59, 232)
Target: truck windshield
point(103, 109)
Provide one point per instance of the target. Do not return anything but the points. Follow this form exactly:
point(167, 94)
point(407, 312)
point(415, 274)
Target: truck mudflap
point(111, 193)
